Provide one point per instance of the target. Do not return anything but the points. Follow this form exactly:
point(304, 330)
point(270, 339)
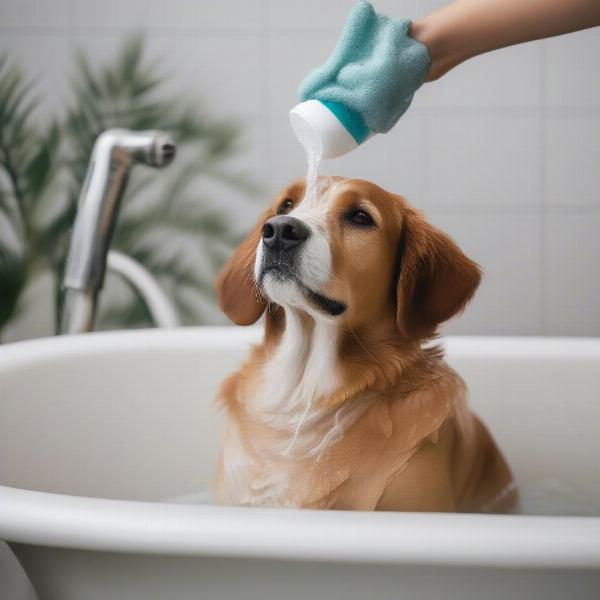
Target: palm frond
point(12, 283)
point(43, 164)
point(16, 138)
point(165, 216)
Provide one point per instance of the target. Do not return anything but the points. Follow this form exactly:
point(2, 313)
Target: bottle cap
point(327, 129)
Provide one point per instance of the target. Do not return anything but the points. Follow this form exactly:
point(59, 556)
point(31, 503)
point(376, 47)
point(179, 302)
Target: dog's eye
point(360, 218)
point(285, 207)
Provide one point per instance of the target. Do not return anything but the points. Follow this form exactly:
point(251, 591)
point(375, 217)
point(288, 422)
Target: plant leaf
point(167, 217)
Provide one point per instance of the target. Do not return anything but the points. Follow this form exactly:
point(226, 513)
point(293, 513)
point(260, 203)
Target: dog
point(347, 403)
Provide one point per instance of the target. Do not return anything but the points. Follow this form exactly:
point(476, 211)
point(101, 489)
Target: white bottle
point(327, 129)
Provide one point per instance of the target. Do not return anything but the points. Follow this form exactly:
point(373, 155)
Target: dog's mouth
point(323, 303)
point(318, 301)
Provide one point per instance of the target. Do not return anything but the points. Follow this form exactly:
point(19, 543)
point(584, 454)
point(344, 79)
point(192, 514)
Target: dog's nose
point(284, 233)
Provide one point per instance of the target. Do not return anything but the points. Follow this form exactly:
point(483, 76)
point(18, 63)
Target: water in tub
point(543, 497)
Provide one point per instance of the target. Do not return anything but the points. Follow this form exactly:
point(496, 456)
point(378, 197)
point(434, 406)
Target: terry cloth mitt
point(374, 70)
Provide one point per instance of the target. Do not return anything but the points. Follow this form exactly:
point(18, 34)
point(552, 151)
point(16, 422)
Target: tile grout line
point(265, 77)
point(112, 30)
point(543, 193)
point(423, 157)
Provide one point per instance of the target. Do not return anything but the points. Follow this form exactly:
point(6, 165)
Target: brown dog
point(343, 406)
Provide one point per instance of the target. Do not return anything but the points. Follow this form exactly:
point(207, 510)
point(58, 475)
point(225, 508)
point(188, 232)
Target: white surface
point(413, 538)
point(493, 162)
point(573, 145)
point(319, 131)
point(571, 58)
point(102, 428)
point(573, 248)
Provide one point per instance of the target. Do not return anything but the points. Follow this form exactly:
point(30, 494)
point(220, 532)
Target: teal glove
point(374, 70)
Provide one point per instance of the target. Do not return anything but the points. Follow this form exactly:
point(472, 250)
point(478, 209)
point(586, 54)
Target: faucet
point(114, 153)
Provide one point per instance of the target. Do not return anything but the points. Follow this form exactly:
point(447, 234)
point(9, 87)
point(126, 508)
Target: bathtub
point(107, 440)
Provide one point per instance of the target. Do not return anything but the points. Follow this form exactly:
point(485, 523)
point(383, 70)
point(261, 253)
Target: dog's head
point(354, 253)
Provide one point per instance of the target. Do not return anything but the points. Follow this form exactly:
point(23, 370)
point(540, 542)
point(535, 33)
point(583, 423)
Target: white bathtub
point(97, 431)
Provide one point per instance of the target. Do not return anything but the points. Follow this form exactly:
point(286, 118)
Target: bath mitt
point(374, 70)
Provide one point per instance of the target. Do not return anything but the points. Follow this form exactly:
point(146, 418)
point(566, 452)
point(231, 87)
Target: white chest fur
point(302, 370)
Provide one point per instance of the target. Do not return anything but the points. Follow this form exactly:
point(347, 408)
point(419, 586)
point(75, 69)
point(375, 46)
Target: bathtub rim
point(45, 519)
point(154, 528)
point(15, 354)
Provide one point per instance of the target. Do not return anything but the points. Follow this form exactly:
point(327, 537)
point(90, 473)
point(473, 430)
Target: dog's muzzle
point(282, 238)
point(284, 234)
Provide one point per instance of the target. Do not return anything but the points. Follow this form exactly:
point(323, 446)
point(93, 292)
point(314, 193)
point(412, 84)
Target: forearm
point(466, 28)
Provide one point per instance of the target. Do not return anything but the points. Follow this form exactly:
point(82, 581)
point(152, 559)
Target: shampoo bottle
point(327, 129)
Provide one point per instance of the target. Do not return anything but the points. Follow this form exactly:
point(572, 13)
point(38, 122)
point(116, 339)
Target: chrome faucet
point(114, 153)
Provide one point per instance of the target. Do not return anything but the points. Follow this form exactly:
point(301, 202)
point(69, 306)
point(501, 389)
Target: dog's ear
point(239, 298)
point(435, 279)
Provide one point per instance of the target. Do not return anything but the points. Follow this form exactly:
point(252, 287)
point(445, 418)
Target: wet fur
point(355, 410)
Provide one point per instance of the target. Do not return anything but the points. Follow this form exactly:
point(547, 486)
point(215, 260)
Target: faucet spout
point(114, 153)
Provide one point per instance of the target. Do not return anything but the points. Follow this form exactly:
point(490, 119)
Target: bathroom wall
point(503, 153)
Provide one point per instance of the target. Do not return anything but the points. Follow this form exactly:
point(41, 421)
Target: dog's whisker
point(362, 345)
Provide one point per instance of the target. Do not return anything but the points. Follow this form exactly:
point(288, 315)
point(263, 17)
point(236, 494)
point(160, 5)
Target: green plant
point(169, 220)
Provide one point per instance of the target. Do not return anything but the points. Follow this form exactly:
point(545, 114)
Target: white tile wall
point(507, 247)
point(290, 56)
point(174, 14)
point(506, 78)
point(573, 273)
point(572, 65)
point(33, 13)
point(332, 13)
point(503, 152)
point(195, 63)
point(573, 160)
point(483, 161)
point(44, 58)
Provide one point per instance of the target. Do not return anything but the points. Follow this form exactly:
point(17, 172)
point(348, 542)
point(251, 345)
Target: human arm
point(466, 28)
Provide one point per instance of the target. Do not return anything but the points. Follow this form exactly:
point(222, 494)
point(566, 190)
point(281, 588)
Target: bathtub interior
point(124, 425)
point(139, 421)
